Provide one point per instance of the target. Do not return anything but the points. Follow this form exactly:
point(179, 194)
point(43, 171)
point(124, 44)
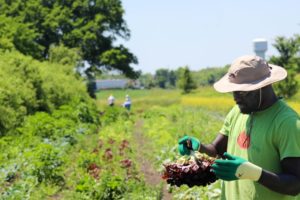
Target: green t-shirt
point(263, 138)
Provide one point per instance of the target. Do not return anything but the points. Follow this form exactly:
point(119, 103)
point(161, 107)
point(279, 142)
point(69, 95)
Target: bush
point(28, 86)
point(46, 164)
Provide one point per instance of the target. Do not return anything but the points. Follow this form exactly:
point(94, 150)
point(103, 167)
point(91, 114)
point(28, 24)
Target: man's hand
point(187, 143)
point(234, 168)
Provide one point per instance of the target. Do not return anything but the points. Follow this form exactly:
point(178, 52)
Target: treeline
point(288, 58)
point(165, 78)
point(90, 27)
point(43, 47)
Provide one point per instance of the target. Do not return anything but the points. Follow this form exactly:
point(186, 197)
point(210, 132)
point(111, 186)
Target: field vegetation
point(58, 137)
point(168, 115)
point(78, 149)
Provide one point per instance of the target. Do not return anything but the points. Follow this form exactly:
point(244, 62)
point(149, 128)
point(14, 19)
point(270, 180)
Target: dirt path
point(152, 177)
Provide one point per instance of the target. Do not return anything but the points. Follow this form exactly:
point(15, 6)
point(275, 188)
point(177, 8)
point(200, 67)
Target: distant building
point(116, 84)
point(260, 47)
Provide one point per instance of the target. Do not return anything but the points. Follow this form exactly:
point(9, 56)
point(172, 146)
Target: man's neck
point(269, 98)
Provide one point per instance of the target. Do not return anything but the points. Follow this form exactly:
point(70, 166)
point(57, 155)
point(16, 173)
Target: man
point(111, 100)
point(260, 139)
point(127, 103)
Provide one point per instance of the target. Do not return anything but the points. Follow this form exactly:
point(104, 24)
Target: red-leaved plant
point(192, 171)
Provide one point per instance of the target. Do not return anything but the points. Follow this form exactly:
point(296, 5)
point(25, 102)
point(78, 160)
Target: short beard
point(245, 110)
point(249, 109)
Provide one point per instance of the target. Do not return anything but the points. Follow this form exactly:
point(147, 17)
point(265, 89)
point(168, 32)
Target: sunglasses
point(242, 93)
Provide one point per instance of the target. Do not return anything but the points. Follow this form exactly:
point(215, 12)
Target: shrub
point(46, 164)
point(28, 86)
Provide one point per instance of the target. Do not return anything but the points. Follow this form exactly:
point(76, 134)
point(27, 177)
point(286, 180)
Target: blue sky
point(199, 34)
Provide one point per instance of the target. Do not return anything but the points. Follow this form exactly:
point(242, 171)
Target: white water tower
point(260, 47)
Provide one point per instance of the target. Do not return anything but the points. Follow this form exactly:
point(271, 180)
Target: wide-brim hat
point(248, 73)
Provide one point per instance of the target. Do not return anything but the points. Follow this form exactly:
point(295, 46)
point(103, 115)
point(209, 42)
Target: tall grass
point(294, 105)
point(211, 103)
point(205, 97)
point(141, 99)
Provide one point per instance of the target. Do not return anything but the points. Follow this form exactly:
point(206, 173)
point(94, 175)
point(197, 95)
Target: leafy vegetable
point(193, 171)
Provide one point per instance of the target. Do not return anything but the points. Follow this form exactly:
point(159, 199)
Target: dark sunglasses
point(242, 93)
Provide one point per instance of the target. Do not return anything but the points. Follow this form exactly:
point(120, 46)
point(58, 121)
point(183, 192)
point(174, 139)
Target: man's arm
point(287, 182)
point(234, 168)
point(217, 147)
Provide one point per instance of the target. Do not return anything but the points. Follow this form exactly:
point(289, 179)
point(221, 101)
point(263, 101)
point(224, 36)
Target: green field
point(59, 140)
point(120, 159)
point(167, 115)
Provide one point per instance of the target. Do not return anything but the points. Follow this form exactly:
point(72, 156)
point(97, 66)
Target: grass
point(205, 97)
point(141, 99)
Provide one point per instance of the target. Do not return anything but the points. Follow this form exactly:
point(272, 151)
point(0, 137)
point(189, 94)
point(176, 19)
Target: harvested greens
point(190, 170)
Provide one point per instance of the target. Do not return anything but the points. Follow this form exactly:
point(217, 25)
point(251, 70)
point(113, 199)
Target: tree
point(147, 80)
point(288, 49)
point(161, 77)
point(64, 56)
point(210, 75)
point(92, 26)
point(186, 82)
point(165, 78)
point(17, 35)
point(172, 78)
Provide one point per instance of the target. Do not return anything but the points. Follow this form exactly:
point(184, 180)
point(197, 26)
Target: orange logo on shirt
point(243, 140)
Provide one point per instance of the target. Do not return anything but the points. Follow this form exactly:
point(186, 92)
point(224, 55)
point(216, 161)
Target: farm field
point(123, 157)
point(65, 136)
point(163, 116)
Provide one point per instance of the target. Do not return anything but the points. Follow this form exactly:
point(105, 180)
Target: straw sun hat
point(248, 73)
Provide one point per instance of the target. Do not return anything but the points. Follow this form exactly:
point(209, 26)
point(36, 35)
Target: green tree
point(165, 78)
point(147, 80)
point(209, 76)
point(65, 56)
point(92, 26)
point(28, 86)
point(17, 35)
point(161, 77)
point(288, 49)
point(186, 82)
point(172, 78)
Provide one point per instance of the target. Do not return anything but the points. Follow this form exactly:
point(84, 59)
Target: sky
point(199, 34)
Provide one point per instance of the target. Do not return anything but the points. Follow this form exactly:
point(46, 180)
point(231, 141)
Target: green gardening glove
point(234, 168)
point(188, 143)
